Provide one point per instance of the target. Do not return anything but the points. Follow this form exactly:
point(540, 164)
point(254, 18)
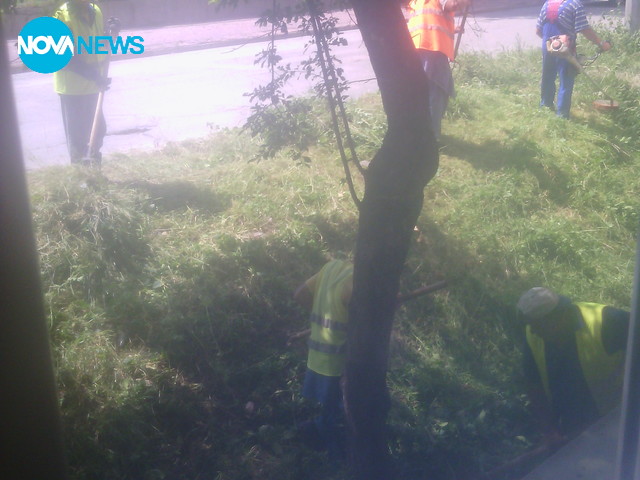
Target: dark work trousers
point(77, 116)
point(436, 66)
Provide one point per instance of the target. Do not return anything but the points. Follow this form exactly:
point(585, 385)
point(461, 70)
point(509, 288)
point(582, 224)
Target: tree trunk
point(394, 184)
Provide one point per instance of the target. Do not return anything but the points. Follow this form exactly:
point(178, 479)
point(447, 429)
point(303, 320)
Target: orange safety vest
point(432, 28)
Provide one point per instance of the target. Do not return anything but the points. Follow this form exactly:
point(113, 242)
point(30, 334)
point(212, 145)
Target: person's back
point(432, 28)
point(329, 316)
point(562, 17)
point(573, 358)
point(85, 20)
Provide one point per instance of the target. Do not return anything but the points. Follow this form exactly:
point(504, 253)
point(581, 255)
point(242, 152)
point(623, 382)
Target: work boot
point(94, 161)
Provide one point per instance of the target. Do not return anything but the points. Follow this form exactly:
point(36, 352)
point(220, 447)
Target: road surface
point(166, 98)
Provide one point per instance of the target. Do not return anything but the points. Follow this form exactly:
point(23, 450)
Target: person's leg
point(101, 131)
point(330, 423)
point(88, 111)
point(71, 119)
point(438, 101)
point(548, 83)
point(315, 387)
point(330, 426)
point(567, 74)
point(440, 86)
point(78, 112)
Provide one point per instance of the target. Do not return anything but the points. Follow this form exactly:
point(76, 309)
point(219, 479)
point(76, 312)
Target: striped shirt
point(572, 17)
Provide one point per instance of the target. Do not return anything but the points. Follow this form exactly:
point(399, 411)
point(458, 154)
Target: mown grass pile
point(168, 280)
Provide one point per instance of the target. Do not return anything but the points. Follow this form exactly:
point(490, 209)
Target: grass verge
point(168, 281)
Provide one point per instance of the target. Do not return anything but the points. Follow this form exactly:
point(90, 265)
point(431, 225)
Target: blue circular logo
point(45, 44)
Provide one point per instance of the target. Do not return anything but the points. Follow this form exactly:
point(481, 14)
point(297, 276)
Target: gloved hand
point(113, 26)
point(604, 46)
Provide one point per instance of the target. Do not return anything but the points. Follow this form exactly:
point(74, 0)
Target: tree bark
point(393, 199)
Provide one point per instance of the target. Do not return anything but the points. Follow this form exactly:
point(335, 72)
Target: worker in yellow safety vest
point(326, 295)
point(432, 28)
point(80, 82)
point(573, 360)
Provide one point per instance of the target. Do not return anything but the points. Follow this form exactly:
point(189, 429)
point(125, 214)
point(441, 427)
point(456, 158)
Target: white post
point(632, 15)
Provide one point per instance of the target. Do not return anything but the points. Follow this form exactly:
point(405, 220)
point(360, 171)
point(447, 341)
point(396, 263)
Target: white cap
point(538, 302)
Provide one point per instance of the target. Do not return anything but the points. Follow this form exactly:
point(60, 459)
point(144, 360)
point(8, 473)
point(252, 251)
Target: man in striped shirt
point(562, 17)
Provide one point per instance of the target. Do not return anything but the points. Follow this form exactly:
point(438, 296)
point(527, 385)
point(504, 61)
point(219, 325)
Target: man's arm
point(582, 26)
point(303, 296)
point(591, 35)
point(305, 292)
point(540, 406)
point(542, 17)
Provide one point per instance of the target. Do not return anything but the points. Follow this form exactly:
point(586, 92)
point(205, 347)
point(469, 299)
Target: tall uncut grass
point(168, 280)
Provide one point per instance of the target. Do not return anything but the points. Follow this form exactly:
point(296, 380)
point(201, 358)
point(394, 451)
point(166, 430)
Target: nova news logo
point(46, 45)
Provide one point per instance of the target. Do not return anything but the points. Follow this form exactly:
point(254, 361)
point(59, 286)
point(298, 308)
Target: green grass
point(168, 280)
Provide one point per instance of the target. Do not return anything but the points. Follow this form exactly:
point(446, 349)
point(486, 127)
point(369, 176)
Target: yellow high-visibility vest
point(603, 373)
point(65, 81)
point(329, 316)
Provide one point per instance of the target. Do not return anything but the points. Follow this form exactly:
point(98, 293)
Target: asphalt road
point(166, 98)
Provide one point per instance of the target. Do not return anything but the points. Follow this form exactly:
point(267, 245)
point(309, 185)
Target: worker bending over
point(573, 360)
point(327, 295)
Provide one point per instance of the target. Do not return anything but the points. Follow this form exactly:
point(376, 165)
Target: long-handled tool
point(607, 103)
point(557, 46)
point(92, 158)
point(461, 30)
point(401, 298)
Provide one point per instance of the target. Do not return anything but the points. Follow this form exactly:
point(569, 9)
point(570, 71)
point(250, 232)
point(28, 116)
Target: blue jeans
point(330, 423)
point(553, 67)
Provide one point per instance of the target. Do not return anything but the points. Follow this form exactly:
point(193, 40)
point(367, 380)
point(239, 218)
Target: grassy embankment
point(168, 281)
